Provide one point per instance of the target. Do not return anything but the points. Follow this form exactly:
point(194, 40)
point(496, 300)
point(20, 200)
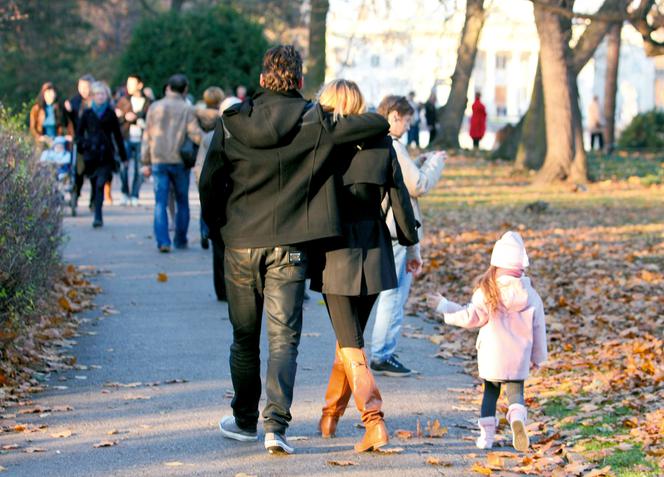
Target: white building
point(395, 46)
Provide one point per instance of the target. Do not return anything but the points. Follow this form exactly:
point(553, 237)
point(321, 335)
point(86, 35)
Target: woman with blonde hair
point(353, 269)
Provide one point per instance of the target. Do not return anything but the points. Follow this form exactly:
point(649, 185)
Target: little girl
point(510, 315)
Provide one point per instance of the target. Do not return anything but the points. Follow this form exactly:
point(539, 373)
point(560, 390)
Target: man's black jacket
point(268, 178)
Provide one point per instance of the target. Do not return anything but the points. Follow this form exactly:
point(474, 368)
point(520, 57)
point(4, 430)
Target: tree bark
point(315, 63)
point(558, 110)
point(579, 170)
point(611, 85)
point(176, 5)
point(532, 147)
point(451, 115)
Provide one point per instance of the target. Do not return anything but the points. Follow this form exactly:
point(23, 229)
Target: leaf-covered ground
point(597, 260)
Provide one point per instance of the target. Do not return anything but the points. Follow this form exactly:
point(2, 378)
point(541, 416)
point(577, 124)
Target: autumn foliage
point(597, 260)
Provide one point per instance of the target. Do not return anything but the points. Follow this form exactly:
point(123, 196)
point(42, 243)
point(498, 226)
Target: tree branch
point(568, 13)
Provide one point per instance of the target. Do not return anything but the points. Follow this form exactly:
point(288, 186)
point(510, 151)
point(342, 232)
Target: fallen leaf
point(62, 434)
point(11, 447)
point(480, 469)
point(105, 444)
point(2, 469)
point(32, 450)
point(162, 277)
point(438, 461)
point(598, 472)
point(242, 474)
point(389, 450)
point(341, 463)
point(435, 429)
point(174, 463)
point(403, 434)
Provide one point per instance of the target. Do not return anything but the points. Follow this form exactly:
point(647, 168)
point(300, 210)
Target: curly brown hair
point(282, 68)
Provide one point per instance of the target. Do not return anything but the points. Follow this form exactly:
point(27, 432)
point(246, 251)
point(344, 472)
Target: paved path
point(177, 330)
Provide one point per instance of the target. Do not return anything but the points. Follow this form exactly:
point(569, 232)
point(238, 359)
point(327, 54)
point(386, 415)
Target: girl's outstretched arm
point(473, 315)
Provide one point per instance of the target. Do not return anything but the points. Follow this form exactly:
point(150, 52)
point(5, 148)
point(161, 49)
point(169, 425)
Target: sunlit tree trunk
point(611, 84)
point(315, 63)
point(558, 110)
point(451, 115)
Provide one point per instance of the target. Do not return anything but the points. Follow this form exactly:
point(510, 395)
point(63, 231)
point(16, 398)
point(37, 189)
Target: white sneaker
point(133, 201)
point(276, 443)
point(124, 200)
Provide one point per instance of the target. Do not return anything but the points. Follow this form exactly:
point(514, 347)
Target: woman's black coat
point(362, 262)
point(95, 138)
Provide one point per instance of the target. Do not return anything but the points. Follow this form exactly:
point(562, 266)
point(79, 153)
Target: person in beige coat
point(420, 176)
point(169, 121)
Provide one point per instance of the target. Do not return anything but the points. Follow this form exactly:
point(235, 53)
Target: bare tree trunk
point(451, 116)
point(558, 109)
point(579, 171)
point(315, 63)
point(532, 147)
point(611, 85)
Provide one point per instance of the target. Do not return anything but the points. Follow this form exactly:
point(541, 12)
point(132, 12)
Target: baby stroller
point(60, 155)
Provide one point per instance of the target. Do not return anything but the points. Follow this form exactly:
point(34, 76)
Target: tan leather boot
point(367, 399)
point(336, 397)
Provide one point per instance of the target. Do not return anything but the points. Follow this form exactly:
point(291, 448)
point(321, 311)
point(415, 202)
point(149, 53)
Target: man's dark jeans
point(274, 276)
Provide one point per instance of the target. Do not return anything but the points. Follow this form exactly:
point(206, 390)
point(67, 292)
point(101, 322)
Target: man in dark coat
point(267, 188)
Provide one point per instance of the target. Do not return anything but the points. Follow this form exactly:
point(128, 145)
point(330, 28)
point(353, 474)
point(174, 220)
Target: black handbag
point(188, 152)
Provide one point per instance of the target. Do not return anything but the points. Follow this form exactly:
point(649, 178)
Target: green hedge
point(646, 131)
point(30, 228)
point(212, 46)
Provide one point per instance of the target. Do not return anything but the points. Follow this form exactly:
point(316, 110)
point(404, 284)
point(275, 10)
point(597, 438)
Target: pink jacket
point(512, 338)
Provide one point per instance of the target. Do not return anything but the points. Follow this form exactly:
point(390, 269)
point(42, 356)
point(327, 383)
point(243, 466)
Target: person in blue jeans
point(420, 175)
point(169, 122)
point(167, 176)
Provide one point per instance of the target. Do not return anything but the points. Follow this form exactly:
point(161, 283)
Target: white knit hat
point(509, 252)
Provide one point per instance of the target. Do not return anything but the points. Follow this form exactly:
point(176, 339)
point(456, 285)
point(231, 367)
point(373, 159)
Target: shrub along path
point(152, 379)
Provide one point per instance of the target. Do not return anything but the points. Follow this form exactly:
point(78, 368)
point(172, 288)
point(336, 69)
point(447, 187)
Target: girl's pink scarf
point(516, 273)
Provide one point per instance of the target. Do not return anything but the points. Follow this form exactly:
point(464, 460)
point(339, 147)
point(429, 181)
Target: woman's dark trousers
point(349, 315)
point(274, 277)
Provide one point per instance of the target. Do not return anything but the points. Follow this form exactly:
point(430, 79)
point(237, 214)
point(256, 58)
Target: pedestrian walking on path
point(98, 137)
point(477, 121)
point(169, 122)
point(267, 188)
point(357, 266)
point(420, 176)
point(512, 336)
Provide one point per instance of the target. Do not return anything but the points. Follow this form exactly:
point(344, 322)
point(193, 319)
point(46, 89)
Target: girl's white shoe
point(517, 415)
point(487, 432)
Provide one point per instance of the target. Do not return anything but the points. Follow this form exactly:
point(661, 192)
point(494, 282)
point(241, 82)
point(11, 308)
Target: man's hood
point(267, 119)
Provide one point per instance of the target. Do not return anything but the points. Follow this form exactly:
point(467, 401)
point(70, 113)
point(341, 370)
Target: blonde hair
point(101, 86)
point(342, 98)
point(487, 283)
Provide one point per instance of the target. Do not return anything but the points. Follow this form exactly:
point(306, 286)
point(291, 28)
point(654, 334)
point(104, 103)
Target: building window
point(375, 61)
point(501, 60)
point(501, 100)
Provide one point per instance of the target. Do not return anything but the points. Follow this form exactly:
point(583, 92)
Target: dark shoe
point(205, 243)
point(336, 398)
point(276, 443)
point(231, 430)
point(390, 367)
point(181, 246)
point(164, 248)
point(97, 223)
point(367, 399)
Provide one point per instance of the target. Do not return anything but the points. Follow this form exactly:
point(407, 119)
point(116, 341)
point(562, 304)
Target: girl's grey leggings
point(513, 389)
